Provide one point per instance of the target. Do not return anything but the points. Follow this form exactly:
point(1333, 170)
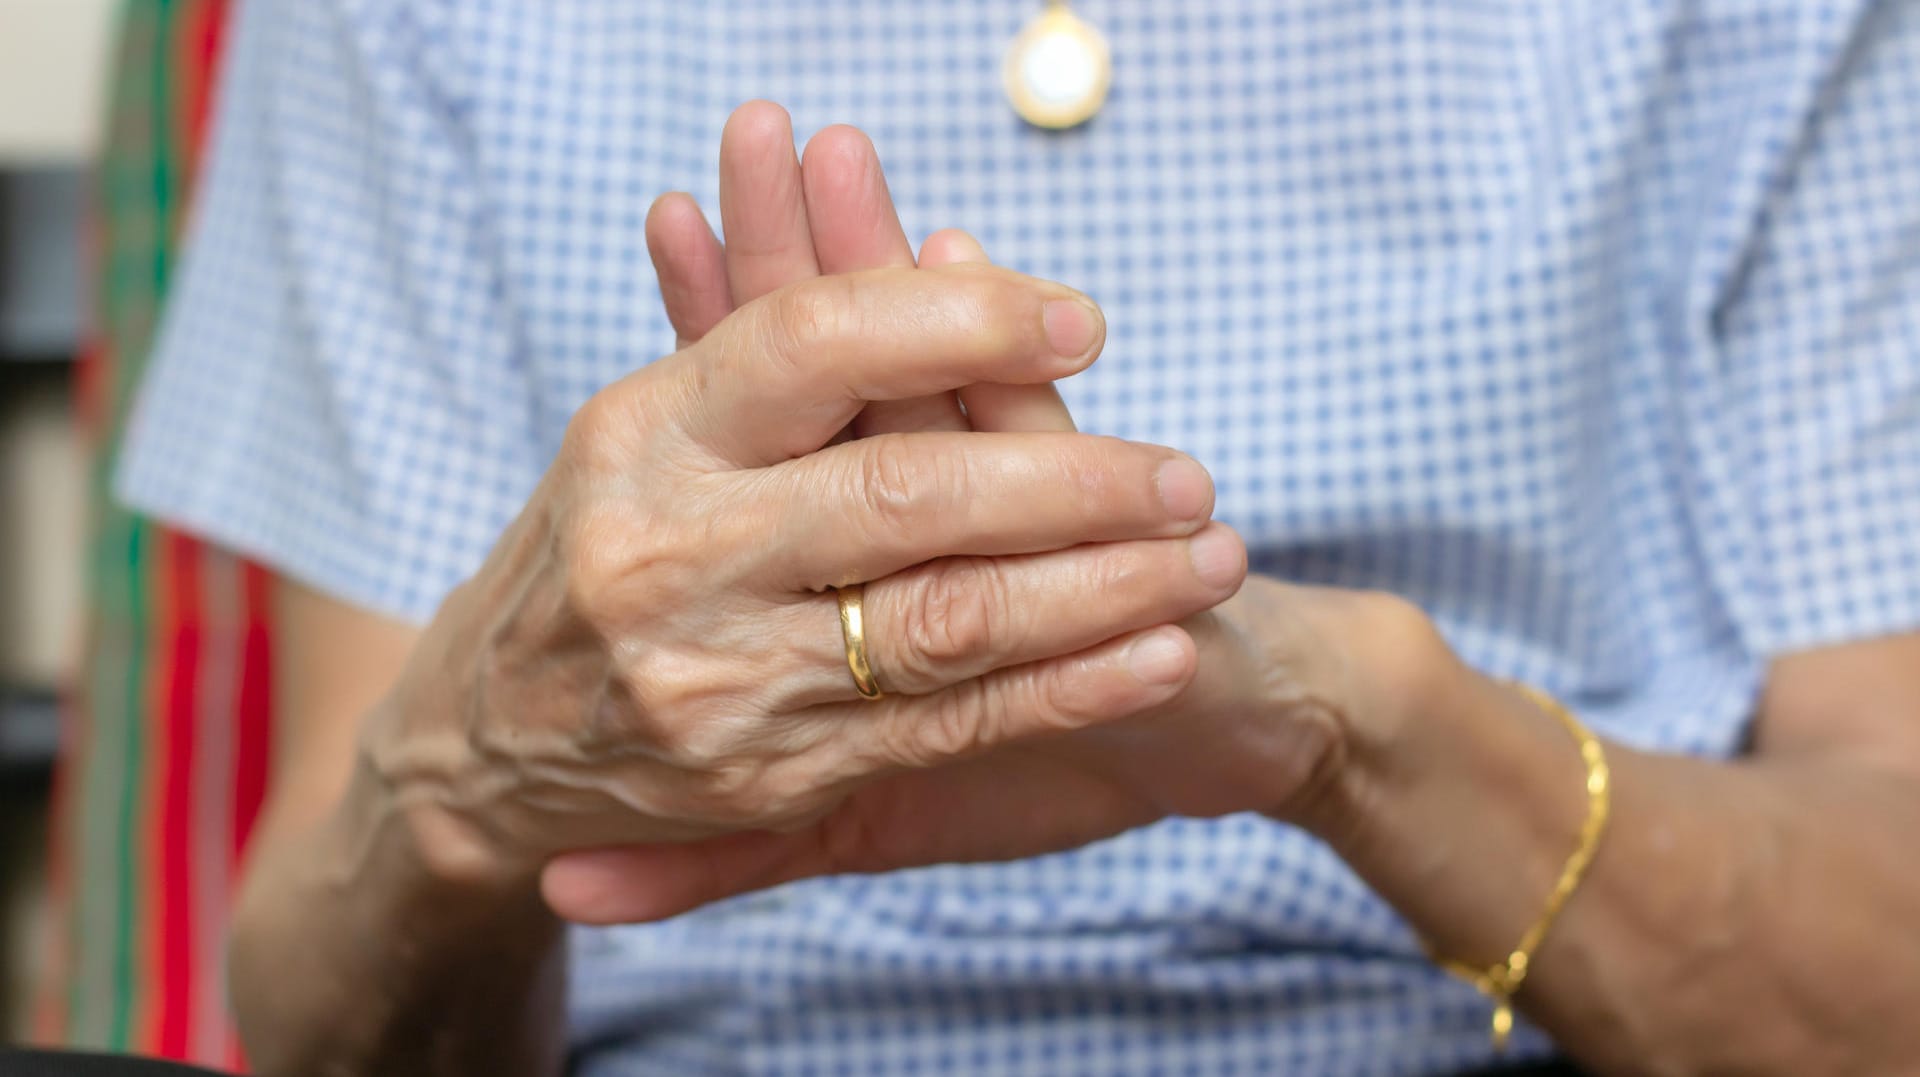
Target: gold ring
point(853, 630)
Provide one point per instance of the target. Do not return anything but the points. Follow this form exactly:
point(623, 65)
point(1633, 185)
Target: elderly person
point(1553, 365)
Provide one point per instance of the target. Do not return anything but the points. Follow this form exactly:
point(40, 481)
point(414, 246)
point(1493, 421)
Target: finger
point(991, 407)
point(937, 624)
point(1107, 682)
point(849, 209)
point(855, 226)
point(956, 619)
point(951, 246)
point(643, 883)
point(1005, 806)
point(690, 264)
point(869, 508)
point(762, 208)
point(779, 378)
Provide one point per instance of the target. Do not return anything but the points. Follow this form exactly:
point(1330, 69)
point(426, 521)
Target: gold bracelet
point(1502, 981)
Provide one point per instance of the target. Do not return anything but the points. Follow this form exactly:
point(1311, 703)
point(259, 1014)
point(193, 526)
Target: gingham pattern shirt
point(1591, 325)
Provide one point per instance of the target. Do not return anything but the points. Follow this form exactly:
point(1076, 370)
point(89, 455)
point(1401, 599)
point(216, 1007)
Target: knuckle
point(1050, 698)
point(648, 715)
point(731, 791)
point(617, 572)
point(1053, 706)
point(960, 723)
point(589, 428)
point(684, 702)
point(891, 480)
point(625, 564)
point(695, 718)
point(596, 558)
point(953, 615)
point(756, 792)
point(897, 485)
point(806, 318)
point(1001, 309)
point(601, 431)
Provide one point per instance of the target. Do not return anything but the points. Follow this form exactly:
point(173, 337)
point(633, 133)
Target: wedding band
point(853, 630)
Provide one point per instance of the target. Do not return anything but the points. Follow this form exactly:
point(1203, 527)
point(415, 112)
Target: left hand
point(1263, 726)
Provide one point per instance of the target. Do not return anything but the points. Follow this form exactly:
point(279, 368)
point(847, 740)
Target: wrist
point(1458, 799)
point(409, 805)
point(443, 794)
point(389, 828)
point(1386, 668)
point(410, 940)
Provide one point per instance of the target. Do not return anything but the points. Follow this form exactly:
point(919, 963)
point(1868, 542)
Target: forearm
point(351, 955)
point(1749, 919)
point(1753, 917)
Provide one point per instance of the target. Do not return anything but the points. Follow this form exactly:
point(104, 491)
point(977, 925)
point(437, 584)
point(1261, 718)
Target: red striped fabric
point(177, 685)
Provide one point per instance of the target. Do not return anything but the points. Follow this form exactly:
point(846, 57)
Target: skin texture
point(534, 752)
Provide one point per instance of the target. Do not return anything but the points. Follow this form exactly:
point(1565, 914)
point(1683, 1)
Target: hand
point(649, 655)
point(1260, 729)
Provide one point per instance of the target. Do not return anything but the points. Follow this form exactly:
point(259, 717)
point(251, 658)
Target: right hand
point(652, 652)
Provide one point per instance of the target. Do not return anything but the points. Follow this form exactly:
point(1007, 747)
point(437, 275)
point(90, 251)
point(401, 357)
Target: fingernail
point(1217, 556)
point(1185, 488)
point(1157, 659)
point(1071, 326)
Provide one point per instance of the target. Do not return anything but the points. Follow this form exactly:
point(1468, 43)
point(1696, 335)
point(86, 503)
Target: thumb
point(1004, 806)
point(994, 408)
point(632, 884)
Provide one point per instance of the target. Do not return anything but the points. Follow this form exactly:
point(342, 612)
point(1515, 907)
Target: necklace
point(1058, 70)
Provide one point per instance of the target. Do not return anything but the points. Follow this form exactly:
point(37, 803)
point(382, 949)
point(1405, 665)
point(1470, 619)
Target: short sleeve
point(1808, 425)
point(336, 389)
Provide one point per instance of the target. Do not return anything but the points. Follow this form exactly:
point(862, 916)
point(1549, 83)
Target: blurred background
point(53, 82)
point(132, 661)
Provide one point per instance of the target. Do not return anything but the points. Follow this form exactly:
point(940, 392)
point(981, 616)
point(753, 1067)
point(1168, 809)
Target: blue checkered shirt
point(1591, 325)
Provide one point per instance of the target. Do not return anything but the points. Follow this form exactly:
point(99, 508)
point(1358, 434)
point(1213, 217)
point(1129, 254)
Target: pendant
point(1058, 70)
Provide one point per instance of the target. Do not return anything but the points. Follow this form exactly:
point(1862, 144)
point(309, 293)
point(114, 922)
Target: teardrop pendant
point(1058, 70)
